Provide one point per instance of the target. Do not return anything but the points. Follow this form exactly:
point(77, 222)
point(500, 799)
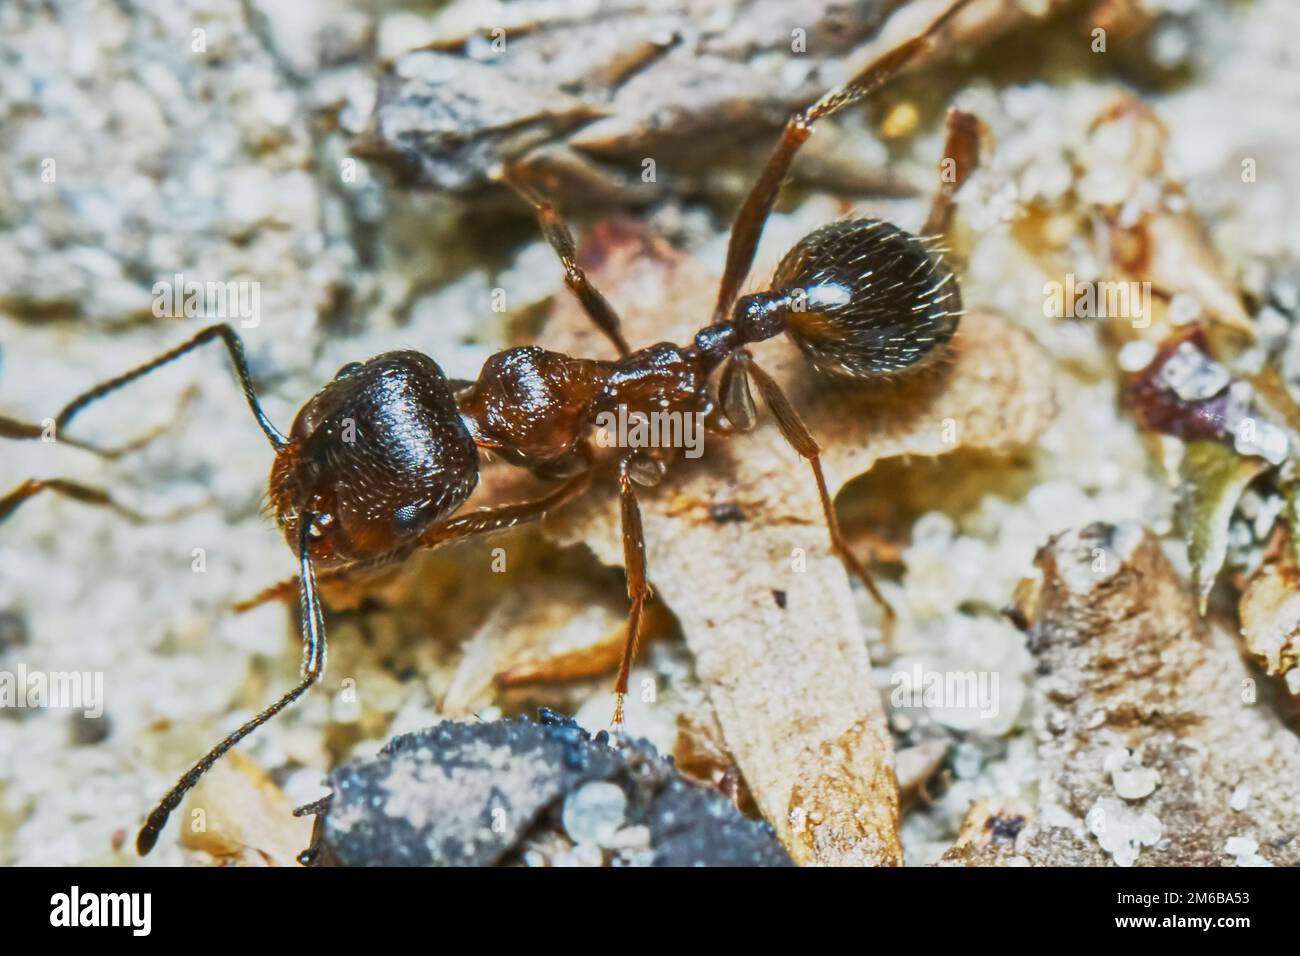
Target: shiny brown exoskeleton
point(380, 462)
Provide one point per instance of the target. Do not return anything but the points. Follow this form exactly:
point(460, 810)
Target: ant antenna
point(313, 635)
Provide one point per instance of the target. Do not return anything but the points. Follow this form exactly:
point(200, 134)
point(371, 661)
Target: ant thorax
point(535, 407)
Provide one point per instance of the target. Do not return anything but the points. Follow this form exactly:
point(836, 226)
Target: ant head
point(861, 298)
point(376, 456)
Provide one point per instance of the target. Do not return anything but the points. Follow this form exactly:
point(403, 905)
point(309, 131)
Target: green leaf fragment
point(1214, 477)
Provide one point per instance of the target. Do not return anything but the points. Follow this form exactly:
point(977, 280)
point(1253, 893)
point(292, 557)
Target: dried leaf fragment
point(238, 814)
point(1270, 617)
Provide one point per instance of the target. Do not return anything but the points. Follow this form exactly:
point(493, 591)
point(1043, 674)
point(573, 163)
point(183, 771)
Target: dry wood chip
point(1166, 245)
point(543, 631)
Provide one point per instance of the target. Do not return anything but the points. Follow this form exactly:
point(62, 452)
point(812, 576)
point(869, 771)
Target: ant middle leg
point(748, 227)
point(801, 440)
point(638, 589)
point(595, 304)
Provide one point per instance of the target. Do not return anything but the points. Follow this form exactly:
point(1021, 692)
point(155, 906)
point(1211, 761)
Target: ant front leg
point(748, 228)
point(10, 428)
point(455, 528)
point(313, 667)
point(801, 440)
point(558, 235)
point(487, 520)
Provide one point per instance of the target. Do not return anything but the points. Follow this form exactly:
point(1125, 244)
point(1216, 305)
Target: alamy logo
point(103, 909)
point(1082, 299)
point(210, 300)
point(636, 429)
point(957, 690)
point(67, 690)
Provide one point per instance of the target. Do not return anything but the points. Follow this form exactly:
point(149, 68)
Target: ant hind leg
point(748, 227)
point(801, 440)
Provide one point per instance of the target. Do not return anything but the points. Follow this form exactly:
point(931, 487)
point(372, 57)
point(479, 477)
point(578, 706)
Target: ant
point(380, 461)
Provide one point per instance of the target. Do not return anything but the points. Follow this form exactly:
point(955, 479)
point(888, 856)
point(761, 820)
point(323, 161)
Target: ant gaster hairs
point(380, 462)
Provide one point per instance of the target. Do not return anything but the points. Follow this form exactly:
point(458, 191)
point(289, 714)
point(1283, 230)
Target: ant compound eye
point(408, 519)
point(348, 370)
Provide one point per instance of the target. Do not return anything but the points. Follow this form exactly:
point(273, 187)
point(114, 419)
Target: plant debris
point(239, 815)
point(585, 99)
point(1148, 721)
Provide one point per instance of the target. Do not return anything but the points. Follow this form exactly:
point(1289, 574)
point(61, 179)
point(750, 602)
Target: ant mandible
point(861, 299)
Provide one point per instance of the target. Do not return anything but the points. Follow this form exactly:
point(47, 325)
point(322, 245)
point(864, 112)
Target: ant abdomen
point(861, 298)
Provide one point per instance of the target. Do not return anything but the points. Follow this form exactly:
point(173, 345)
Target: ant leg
point(75, 490)
point(487, 520)
point(801, 440)
point(286, 589)
point(313, 666)
point(69, 489)
point(558, 235)
point(10, 428)
point(960, 155)
point(452, 529)
point(753, 214)
point(637, 587)
point(507, 516)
